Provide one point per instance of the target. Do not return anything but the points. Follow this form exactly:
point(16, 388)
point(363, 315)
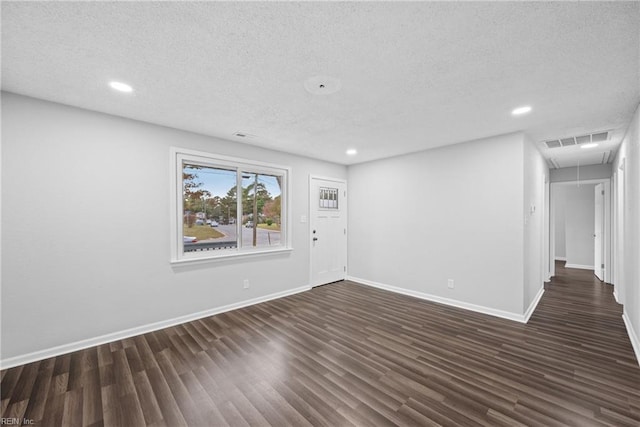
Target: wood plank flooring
point(346, 354)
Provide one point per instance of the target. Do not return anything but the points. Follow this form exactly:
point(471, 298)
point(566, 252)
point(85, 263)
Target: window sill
point(229, 256)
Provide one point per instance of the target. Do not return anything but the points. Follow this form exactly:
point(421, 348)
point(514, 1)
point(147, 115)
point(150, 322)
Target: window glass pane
point(219, 200)
point(328, 198)
point(209, 208)
point(261, 209)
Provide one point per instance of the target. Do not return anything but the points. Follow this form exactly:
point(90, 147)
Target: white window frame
point(179, 156)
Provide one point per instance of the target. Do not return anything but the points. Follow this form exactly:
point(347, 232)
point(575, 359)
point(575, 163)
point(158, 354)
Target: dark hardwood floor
point(347, 354)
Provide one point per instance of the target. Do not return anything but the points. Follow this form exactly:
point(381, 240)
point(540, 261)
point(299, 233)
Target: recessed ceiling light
point(521, 110)
point(121, 87)
point(589, 145)
point(352, 152)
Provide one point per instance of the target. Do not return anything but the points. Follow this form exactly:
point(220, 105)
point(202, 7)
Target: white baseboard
point(447, 301)
point(561, 258)
point(533, 305)
point(615, 295)
point(580, 266)
point(127, 333)
point(635, 341)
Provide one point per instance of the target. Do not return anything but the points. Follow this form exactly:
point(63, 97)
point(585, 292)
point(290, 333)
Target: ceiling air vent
point(583, 139)
point(577, 140)
point(554, 143)
point(599, 137)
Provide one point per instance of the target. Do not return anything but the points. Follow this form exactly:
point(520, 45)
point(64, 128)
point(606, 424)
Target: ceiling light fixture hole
point(322, 85)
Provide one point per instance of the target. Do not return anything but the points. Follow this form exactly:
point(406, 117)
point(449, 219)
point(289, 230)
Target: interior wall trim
point(139, 330)
point(448, 301)
point(533, 305)
point(633, 336)
point(580, 266)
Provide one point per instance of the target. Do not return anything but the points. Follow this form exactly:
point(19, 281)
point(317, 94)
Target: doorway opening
point(580, 229)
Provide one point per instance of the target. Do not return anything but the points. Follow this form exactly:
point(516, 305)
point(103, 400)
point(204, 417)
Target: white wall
point(536, 173)
point(627, 210)
point(579, 224)
point(559, 195)
point(586, 173)
point(450, 213)
point(85, 227)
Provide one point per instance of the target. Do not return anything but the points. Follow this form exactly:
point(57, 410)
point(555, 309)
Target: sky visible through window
point(218, 181)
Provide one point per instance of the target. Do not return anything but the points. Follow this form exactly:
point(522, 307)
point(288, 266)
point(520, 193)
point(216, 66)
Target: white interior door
point(328, 212)
point(598, 233)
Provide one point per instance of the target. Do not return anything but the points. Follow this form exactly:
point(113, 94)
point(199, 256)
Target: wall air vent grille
point(577, 140)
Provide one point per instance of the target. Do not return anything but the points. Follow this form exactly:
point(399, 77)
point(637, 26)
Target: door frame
point(607, 256)
point(619, 206)
point(614, 230)
point(547, 261)
point(599, 228)
point(311, 209)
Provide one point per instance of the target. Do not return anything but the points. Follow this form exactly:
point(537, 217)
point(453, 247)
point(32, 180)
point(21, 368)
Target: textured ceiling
point(411, 76)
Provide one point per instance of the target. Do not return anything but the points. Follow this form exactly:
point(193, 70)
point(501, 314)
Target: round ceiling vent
point(322, 85)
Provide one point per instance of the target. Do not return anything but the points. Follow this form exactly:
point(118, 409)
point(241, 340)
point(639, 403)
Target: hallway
point(585, 338)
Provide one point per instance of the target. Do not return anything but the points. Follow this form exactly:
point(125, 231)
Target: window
point(328, 198)
point(225, 207)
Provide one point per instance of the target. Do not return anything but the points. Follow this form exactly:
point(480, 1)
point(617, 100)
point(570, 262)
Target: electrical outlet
point(246, 284)
point(450, 284)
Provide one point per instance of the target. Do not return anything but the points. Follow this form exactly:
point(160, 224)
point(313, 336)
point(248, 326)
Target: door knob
point(315, 239)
